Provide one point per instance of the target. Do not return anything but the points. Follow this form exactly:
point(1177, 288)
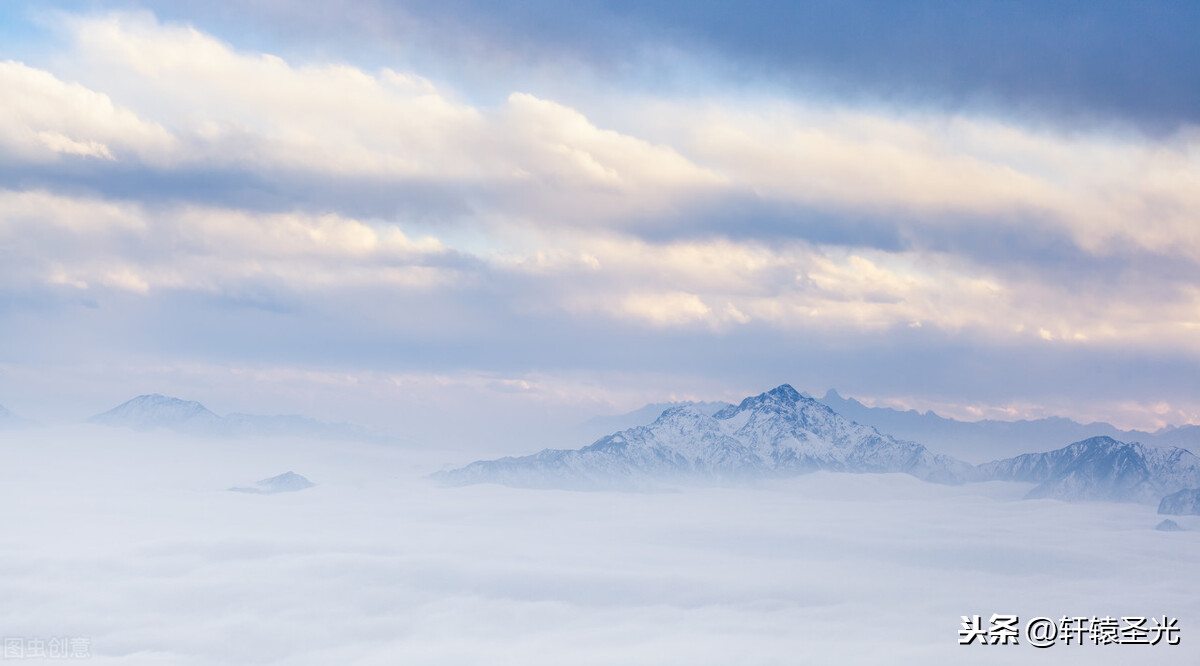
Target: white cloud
point(717, 283)
point(664, 309)
point(42, 118)
point(565, 144)
point(60, 144)
point(83, 241)
point(533, 160)
point(22, 213)
point(797, 286)
point(848, 569)
point(125, 278)
point(794, 286)
point(1107, 191)
point(555, 209)
point(260, 111)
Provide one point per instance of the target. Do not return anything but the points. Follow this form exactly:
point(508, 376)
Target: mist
point(134, 541)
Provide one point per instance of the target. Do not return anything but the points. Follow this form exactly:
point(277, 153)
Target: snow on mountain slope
point(1100, 468)
point(599, 426)
point(775, 434)
point(147, 412)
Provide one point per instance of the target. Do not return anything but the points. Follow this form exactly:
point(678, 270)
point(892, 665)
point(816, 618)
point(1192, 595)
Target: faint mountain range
point(779, 433)
point(10, 421)
point(155, 411)
point(288, 482)
point(149, 412)
point(977, 441)
point(1100, 468)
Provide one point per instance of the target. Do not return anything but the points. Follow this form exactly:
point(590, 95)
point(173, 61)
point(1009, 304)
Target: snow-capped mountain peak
point(782, 397)
point(777, 433)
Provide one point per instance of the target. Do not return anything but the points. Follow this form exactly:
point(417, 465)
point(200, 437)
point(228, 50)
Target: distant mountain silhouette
point(8, 420)
point(153, 411)
point(288, 482)
point(978, 441)
point(1168, 525)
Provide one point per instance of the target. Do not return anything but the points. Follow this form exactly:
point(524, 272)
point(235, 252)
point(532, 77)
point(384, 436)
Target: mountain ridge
point(154, 411)
point(598, 426)
point(774, 434)
point(985, 440)
point(1100, 468)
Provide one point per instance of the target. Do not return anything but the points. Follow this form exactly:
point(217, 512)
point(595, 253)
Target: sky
point(392, 212)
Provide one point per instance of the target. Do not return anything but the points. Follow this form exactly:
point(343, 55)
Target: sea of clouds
point(133, 541)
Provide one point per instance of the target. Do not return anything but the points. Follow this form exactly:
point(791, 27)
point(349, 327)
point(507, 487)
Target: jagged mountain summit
point(776, 434)
point(154, 411)
point(1100, 468)
point(1186, 502)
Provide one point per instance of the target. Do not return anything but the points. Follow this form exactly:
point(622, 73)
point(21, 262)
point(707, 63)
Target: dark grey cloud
point(1027, 246)
point(263, 190)
point(1062, 61)
point(745, 216)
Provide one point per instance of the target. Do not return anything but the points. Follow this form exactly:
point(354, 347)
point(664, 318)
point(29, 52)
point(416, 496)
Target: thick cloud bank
point(130, 539)
point(186, 194)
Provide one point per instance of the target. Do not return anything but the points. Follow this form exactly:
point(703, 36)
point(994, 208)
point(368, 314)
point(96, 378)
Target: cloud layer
point(376, 565)
point(154, 172)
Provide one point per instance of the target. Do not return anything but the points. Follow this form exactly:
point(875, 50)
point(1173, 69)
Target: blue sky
point(382, 211)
